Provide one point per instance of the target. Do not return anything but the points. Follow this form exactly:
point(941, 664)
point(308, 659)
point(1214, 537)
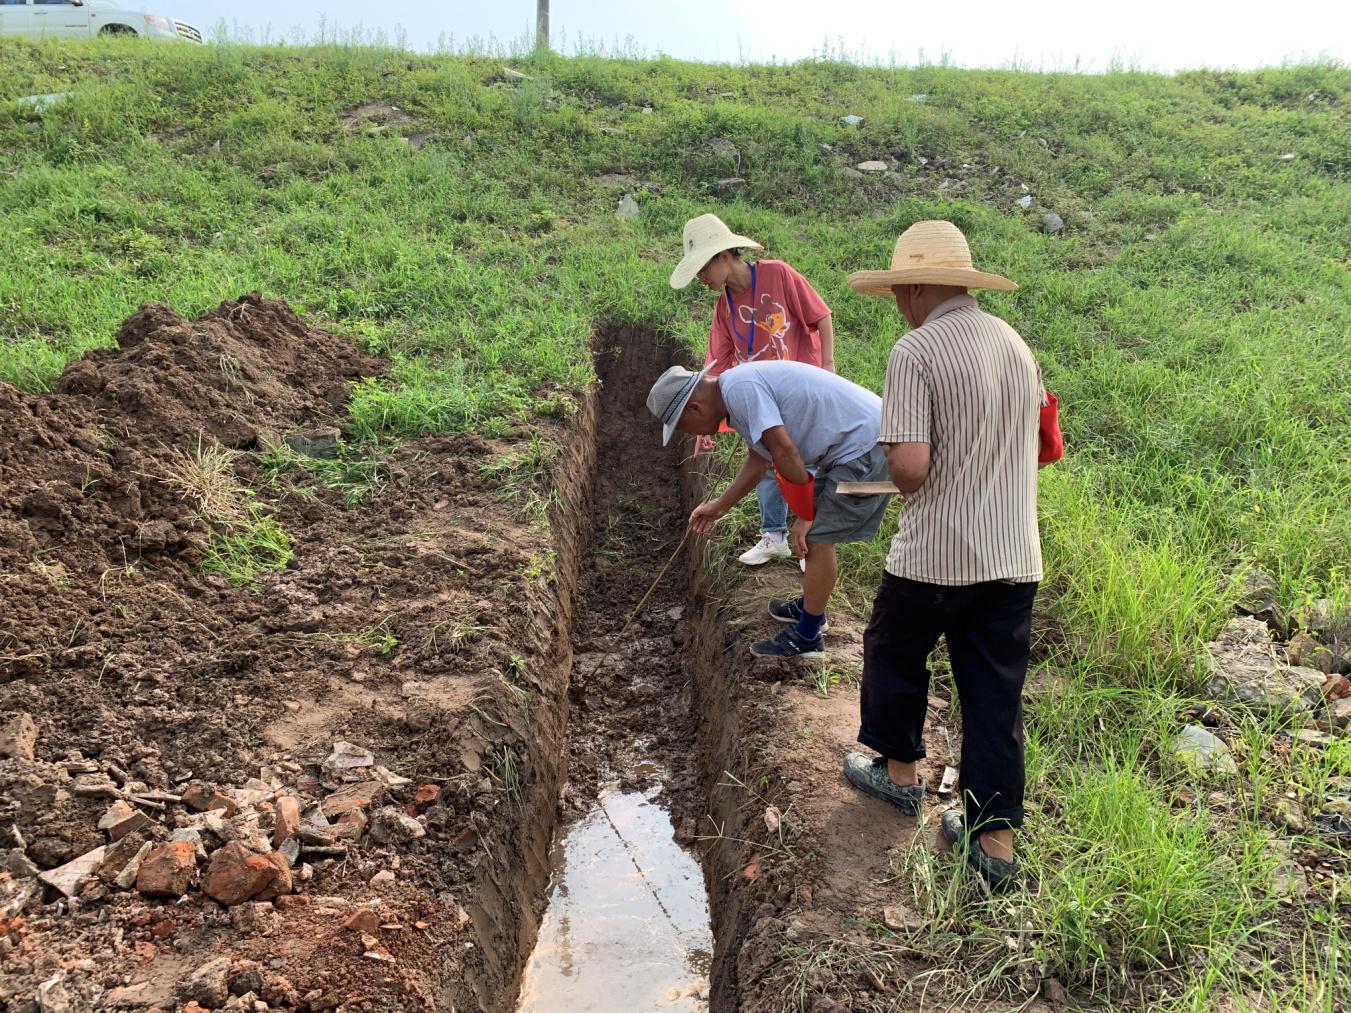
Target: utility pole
point(542, 24)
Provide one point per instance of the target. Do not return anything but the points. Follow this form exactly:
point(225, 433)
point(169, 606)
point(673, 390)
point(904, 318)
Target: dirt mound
point(394, 626)
point(87, 465)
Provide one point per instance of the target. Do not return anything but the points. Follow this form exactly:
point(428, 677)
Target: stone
point(392, 825)
point(383, 880)
point(321, 441)
point(730, 187)
point(426, 795)
point(288, 820)
point(193, 836)
point(1051, 223)
point(1290, 815)
point(1244, 670)
point(66, 879)
point(872, 165)
point(1287, 878)
point(237, 874)
point(628, 209)
point(17, 894)
point(207, 798)
point(290, 850)
point(1336, 687)
point(900, 919)
point(19, 865)
point(209, 985)
point(53, 997)
point(347, 756)
point(514, 76)
point(1311, 737)
point(949, 782)
point(1203, 751)
point(1339, 714)
point(167, 870)
point(1325, 621)
point(1255, 594)
point(246, 977)
point(1054, 992)
point(128, 852)
point(363, 920)
point(919, 97)
point(350, 826)
point(121, 819)
point(1305, 650)
point(851, 120)
point(19, 737)
point(126, 879)
point(352, 797)
point(724, 148)
point(1025, 201)
point(95, 786)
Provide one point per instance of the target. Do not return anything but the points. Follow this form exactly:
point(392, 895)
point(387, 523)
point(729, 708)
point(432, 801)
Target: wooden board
point(866, 489)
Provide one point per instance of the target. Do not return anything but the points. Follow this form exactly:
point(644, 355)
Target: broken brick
point(352, 797)
point(205, 797)
point(288, 820)
point(167, 870)
point(363, 920)
point(237, 874)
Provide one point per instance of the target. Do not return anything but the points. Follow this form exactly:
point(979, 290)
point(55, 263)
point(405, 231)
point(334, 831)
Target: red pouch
point(801, 498)
point(1052, 444)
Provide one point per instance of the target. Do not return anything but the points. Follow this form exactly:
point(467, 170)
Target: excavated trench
point(619, 908)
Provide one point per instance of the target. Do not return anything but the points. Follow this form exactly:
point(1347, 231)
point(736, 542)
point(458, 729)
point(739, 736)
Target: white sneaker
point(770, 546)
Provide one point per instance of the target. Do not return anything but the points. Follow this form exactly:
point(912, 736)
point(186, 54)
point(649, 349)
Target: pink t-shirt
point(783, 310)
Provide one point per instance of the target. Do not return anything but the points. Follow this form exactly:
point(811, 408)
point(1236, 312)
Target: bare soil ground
point(407, 624)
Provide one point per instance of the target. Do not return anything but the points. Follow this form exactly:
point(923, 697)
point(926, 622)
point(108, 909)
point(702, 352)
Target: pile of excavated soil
point(129, 678)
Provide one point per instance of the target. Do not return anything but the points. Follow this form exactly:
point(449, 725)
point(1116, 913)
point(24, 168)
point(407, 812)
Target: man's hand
point(797, 537)
point(705, 515)
point(704, 444)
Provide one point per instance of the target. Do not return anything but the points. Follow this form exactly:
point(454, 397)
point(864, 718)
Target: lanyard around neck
point(749, 337)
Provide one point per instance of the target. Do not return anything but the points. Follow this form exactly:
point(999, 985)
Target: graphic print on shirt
point(771, 325)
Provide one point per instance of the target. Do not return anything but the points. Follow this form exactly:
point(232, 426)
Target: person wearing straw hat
point(960, 412)
point(767, 312)
point(795, 418)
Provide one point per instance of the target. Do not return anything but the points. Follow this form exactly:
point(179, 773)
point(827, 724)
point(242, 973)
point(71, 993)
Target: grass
point(1192, 317)
point(244, 541)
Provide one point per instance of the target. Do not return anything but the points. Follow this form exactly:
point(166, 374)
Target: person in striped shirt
point(960, 413)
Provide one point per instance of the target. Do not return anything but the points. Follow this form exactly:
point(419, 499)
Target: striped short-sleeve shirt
point(965, 383)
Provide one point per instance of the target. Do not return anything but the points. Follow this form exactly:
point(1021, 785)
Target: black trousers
point(988, 628)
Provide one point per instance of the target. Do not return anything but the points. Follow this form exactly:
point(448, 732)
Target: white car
point(83, 19)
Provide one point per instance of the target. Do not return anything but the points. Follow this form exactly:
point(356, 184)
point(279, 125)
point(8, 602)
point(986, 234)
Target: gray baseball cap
point(670, 394)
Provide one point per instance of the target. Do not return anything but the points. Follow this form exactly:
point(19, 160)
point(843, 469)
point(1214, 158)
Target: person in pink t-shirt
point(766, 311)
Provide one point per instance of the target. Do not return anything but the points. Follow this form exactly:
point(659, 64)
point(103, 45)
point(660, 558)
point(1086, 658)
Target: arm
point(705, 514)
point(908, 464)
point(787, 460)
point(826, 329)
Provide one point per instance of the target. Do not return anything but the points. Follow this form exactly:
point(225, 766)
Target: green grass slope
point(1194, 316)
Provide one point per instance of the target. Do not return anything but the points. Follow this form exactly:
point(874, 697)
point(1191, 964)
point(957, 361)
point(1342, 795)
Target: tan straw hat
point(928, 253)
point(706, 237)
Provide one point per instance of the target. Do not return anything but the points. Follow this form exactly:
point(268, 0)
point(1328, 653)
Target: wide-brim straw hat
point(706, 237)
point(928, 253)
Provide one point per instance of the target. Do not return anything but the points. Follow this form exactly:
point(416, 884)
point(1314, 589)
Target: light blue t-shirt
point(829, 419)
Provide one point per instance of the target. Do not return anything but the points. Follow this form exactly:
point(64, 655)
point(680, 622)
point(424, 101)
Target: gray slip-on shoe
point(869, 776)
point(998, 873)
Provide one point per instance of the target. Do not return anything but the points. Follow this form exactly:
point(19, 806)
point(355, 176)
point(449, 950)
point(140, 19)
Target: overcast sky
point(1162, 35)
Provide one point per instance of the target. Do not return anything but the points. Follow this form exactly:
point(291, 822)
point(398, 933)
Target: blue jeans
point(773, 509)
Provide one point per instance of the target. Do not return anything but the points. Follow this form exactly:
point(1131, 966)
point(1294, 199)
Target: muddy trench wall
point(513, 884)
